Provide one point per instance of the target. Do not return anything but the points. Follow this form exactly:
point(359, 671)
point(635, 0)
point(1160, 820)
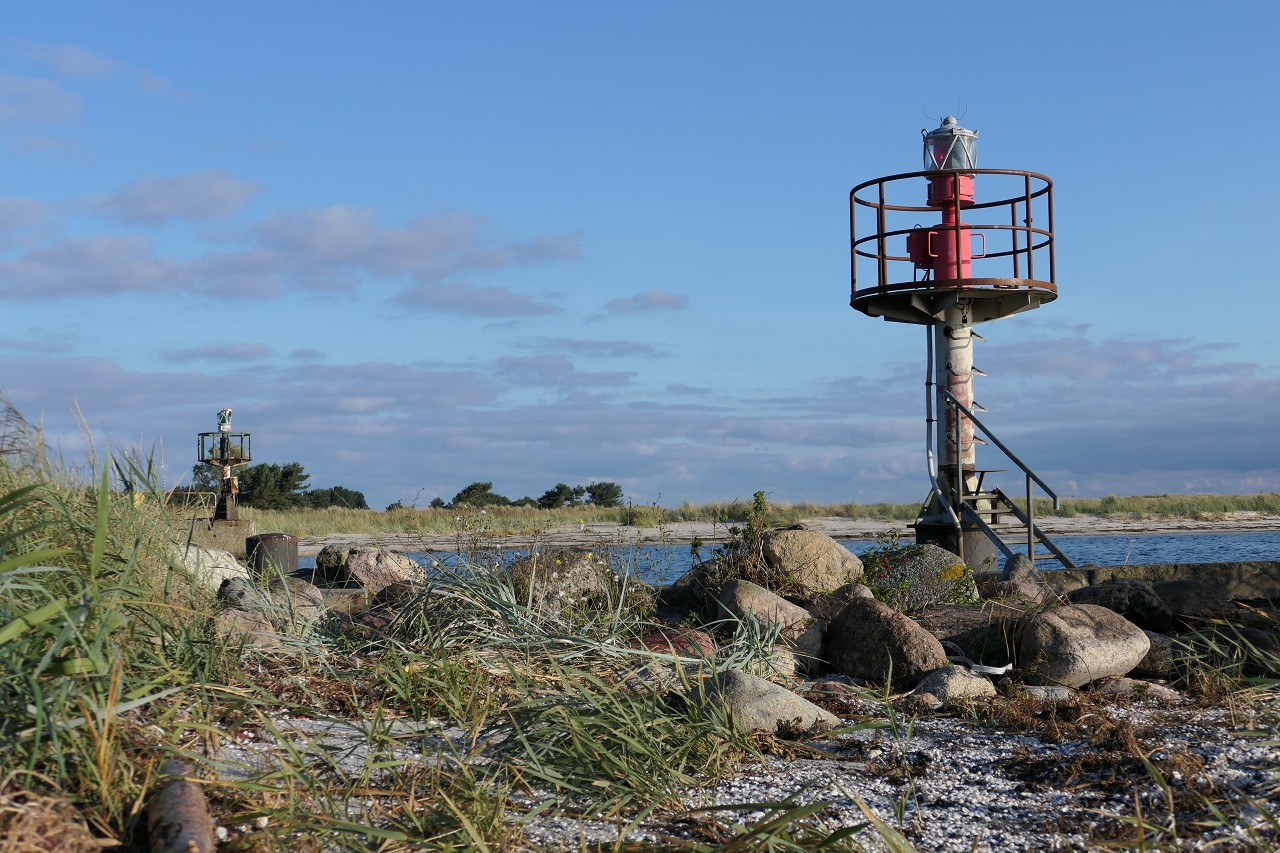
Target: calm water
point(665, 563)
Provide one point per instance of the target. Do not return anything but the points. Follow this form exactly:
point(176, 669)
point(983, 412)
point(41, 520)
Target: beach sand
point(682, 532)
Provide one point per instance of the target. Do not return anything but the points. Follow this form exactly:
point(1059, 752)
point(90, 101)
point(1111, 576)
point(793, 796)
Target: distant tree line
point(271, 486)
point(481, 494)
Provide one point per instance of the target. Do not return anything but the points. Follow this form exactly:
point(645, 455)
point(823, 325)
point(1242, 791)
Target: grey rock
point(1193, 600)
point(799, 629)
point(250, 628)
point(920, 576)
point(1075, 644)
point(234, 592)
point(953, 684)
point(761, 706)
point(1161, 659)
point(296, 604)
point(850, 591)
point(1025, 583)
point(1047, 693)
point(209, 567)
point(811, 561)
point(786, 664)
point(827, 606)
point(558, 580)
point(986, 633)
point(1135, 600)
point(375, 569)
point(871, 640)
point(1145, 691)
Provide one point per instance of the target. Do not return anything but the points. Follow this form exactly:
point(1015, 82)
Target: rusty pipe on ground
point(178, 817)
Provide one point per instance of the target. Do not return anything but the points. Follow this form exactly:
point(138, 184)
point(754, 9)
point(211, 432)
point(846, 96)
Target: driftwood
point(178, 816)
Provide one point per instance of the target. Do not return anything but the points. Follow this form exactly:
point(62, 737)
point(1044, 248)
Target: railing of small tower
point(1014, 234)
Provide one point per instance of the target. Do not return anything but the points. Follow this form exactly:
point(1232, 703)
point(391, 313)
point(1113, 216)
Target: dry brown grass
point(32, 822)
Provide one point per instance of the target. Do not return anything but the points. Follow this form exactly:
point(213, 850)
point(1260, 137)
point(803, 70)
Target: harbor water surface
point(664, 563)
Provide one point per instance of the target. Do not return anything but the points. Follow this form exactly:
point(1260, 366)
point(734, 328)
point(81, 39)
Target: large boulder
point(559, 580)
point(810, 561)
point(375, 569)
point(1162, 659)
point(757, 705)
point(827, 606)
point(1195, 600)
point(210, 567)
point(798, 628)
point(1075, 644)
point(918, 576)
point(275, 619)
point(1133, 599)
point(986, 633)
point(872, 641)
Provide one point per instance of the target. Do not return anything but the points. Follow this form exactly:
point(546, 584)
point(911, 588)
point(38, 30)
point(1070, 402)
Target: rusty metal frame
point(1027, 240)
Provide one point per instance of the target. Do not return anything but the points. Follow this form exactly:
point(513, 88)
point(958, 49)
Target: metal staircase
point(992, 510)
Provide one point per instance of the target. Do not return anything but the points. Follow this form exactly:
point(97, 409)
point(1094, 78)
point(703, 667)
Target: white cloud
point(69, 60)
point(20, 217)
point(331, 250)
point(90, 267)
point(650, 300)
point(35, 346)
point(32, 100)
point(556, 371)
point(197, 197)
point(227, 352)
point(476, 301)
point(72, 61)
point(599, 349)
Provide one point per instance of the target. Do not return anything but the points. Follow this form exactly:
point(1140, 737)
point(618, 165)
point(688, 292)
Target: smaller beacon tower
point(225, 450)
point(948, 264)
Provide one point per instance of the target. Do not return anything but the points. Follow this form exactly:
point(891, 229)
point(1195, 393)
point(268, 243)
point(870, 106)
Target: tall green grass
point(94, 628)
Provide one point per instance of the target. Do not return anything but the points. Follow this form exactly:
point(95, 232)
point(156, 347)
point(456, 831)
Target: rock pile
point(934, 637)
point(931, 635)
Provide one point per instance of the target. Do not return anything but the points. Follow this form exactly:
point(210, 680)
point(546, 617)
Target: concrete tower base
point(980, 552)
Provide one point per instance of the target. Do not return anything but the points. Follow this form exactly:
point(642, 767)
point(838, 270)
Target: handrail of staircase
point(1036, 532)
point(1013, 457)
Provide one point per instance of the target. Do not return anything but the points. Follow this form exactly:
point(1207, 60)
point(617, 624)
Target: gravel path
point(1065, 778)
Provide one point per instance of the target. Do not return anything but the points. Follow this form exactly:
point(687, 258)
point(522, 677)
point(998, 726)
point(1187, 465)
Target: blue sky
point(415, 245)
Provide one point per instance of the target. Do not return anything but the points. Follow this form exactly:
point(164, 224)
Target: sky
point(415, 245)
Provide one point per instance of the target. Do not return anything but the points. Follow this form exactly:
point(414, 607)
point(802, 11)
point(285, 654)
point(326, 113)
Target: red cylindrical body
point(949, 245)
point(943, 189)
point(950, 249)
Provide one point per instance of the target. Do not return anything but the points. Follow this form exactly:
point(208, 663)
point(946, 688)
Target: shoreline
point(685, 532)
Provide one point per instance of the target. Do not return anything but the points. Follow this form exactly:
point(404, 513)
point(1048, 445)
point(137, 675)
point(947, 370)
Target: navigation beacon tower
point(948, 277)
point(225, 450)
